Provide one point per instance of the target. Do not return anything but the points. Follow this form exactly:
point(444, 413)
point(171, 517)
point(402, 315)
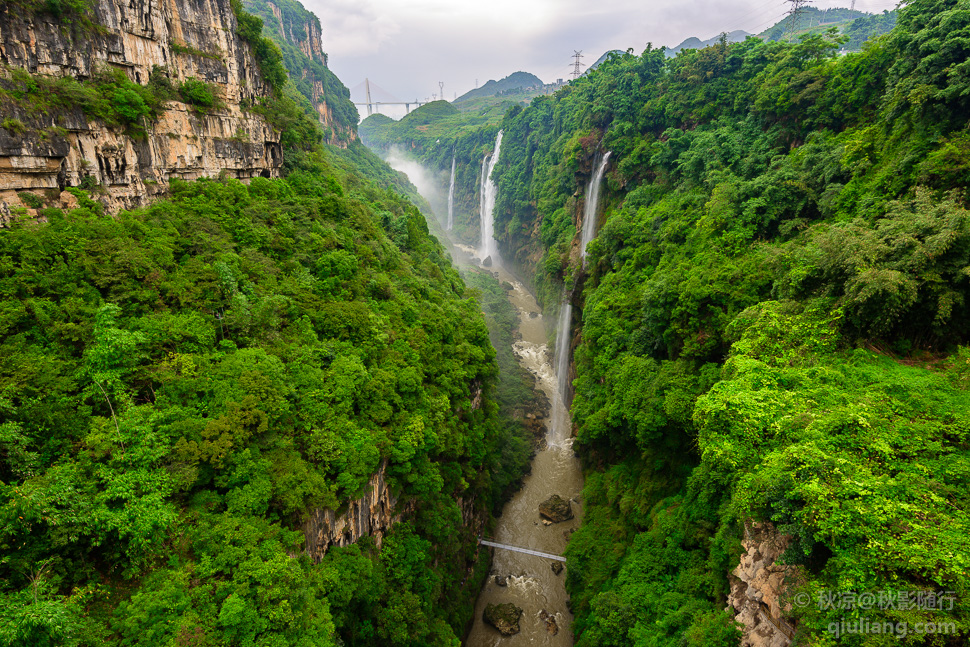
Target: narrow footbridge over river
point(519, 549)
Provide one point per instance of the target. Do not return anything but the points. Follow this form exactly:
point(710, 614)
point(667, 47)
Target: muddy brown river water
point(532, 585)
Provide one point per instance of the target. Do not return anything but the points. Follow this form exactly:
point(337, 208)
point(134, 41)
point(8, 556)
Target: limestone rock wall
point(372, 514)
point(757, 588)
point(136, 36)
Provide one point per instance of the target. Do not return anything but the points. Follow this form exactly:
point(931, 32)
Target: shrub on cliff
point(267, 53)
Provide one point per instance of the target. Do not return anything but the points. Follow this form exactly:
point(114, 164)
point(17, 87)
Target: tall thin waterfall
point(560, 417)
point(560, 414)
point(451, 196)
point(489, 246)
point(592, 201)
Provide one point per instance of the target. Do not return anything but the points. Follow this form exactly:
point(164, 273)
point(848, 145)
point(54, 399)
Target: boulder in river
point(556, 509)
point(487, 261)
point(557, 567)
point(501, 580)
point(504, 617)
point(551, 626)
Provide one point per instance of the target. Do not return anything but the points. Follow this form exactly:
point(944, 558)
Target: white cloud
point(353, 27)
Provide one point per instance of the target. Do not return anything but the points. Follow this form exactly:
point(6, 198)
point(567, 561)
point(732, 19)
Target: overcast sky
point(407, 46)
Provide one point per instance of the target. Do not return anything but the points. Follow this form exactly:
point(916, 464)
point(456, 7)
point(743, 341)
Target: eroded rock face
point(372, 514)
point(556, 509)
point(504, 617)
point(758, 587)
point(60, 150)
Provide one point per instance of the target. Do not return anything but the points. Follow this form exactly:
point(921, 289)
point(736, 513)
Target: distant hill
point(515, 81)
point(696, 43)
point(857, 25)
point(430, 112)
point(602, 58)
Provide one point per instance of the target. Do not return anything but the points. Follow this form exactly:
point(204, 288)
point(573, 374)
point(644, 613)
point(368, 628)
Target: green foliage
point(768, 208)
point(109, 96)
point(13, 126)
point(32, 200)
point(268, 56)
point(183, 385)
point(73, 15)
point(196, 93)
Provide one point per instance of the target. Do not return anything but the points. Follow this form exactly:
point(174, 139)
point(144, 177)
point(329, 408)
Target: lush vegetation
point(268, 56)
point(181, 386)
point(774, 320)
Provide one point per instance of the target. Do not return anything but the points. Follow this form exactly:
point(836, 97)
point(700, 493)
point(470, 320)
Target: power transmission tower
point(577, 66)
point(852, 8)
point(793, 15)
point(441, 86)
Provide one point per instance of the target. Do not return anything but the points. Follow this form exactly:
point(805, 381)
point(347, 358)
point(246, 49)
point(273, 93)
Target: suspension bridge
point(387, 100)
point(519, 549)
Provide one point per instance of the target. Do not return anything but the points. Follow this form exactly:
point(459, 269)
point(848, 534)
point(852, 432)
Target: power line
point(771, 8)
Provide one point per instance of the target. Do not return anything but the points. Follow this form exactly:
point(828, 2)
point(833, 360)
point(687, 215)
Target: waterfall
point(451, 196)
point(592, 201)
point(560, 415)
point(481, 202)
point(559, 420)
point(489, 246)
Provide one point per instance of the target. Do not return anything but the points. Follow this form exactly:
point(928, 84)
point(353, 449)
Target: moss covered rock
point(556, 509)
point(504, 617)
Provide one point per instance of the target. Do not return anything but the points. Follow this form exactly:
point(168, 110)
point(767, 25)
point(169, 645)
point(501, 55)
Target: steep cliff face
point(191, 39)
point(757, 588)
point(372, 514)
point(297, 32)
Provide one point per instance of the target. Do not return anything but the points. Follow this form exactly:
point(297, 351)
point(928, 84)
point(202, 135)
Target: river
point(532, 585)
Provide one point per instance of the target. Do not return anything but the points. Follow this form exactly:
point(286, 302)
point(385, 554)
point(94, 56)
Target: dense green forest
point(182, 385)
point(774, 320)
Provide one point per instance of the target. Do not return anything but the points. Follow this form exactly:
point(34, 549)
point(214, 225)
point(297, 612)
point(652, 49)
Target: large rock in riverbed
point(504, 617)
point(551, 626)
point(556, 509)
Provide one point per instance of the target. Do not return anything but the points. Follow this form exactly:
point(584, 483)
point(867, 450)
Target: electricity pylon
point(577, 66)
point(793, 14)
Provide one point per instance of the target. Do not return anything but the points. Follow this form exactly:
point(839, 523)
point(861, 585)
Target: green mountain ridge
point(514, 81)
